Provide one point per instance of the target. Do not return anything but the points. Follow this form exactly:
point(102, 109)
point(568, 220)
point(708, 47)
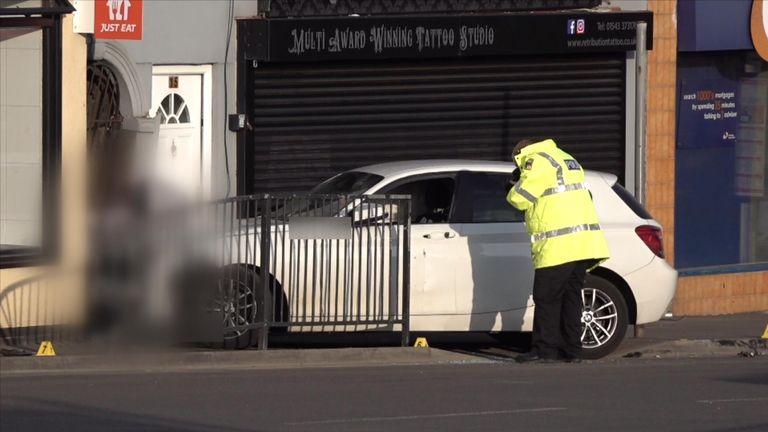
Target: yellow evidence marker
point(421, 343)
point(765, 333)
point(46, 349)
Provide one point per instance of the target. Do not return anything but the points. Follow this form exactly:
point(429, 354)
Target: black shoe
point(569, 356)
point(533, 358)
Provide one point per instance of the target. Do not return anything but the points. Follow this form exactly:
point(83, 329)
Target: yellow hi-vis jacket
point(559, 213)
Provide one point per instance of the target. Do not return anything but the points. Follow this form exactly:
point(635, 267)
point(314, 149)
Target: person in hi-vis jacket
point(566, 242)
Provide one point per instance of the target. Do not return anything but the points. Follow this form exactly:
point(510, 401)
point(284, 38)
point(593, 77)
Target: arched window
point(174, 109)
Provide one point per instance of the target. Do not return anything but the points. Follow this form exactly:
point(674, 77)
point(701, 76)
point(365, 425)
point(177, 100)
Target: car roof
point(396, 169)
point(426, 166)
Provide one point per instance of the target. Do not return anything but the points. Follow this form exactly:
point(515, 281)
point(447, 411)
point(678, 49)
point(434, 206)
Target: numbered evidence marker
point(46, 349)
point(421, 343)
point(765, 333)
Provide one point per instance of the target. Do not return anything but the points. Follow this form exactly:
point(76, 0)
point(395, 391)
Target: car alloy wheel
point(234, 301)
point(599, 318)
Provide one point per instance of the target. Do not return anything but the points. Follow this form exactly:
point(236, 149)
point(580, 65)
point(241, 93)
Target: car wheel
point(604, 317)
point(238, 302)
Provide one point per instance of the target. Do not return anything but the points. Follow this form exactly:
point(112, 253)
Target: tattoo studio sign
point(383, 38)
point(315, 39)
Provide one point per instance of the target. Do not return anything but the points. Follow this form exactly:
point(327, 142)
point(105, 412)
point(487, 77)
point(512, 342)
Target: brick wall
point(722, 294)
point(662, 75)
point(696, 295)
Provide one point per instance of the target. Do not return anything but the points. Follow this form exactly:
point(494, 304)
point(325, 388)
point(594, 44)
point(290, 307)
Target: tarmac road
point(699, 395)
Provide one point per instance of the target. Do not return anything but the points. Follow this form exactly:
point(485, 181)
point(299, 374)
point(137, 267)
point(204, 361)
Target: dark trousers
point(557, 315)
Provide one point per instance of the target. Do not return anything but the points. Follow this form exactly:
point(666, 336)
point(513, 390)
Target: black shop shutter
point(311, 121)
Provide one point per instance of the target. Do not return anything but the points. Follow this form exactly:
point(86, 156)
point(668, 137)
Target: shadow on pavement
point(497, 346)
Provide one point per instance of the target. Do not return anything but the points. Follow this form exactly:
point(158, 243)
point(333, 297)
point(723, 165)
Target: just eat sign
point(118, 19)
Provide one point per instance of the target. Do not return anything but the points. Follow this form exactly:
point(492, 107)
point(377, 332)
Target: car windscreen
point(347, 183)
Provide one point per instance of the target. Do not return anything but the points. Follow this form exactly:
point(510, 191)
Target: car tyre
point(238, 298)
point(605, 317)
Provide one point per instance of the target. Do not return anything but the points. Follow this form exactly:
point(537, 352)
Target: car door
point(433, 246)
point(494, 269)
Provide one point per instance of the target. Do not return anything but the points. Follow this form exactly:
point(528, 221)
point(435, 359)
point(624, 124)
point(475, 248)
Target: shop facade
point(323, 94)
point(721, 206)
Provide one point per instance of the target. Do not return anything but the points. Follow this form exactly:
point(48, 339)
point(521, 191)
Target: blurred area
point(83, 266)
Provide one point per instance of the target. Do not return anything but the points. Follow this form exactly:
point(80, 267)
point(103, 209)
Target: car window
point(482, 199)
point(347, 183)
point(631, 202)
point(431, 198)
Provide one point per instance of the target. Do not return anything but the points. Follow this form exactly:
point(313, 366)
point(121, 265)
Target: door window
point(482, 199)
point(431, 198)
point(174, 109)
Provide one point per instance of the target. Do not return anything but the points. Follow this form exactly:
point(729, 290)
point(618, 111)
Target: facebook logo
point(576, 26)
point(571, 26)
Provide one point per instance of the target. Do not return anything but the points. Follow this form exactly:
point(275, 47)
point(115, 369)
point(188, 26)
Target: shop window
point(30, 129)
point(21, 127)
point(721, 165)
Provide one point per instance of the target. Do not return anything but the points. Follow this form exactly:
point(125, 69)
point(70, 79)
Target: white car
point(471, 267)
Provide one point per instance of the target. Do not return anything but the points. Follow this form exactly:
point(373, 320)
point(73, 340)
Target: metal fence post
point(267, 304)
point(406, 336)
point(641, 74)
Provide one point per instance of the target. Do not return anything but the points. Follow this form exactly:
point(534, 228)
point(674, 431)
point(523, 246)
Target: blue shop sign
point(708, 113)
point(714, 25)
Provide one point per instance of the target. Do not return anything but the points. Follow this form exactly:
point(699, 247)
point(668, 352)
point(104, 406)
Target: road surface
point(629, 395)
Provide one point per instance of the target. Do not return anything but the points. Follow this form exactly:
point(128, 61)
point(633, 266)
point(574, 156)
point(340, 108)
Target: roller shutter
point(311, 121)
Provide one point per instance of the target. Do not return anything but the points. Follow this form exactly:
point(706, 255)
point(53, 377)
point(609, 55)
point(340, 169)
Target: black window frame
point(49, 21)
point(430, 176)
point(466, 181)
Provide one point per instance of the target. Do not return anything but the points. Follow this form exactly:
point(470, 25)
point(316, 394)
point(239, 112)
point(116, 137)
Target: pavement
point(677, 337)
point(172, 361)
point(711, 336)
point(688, 337)
point(739, 326)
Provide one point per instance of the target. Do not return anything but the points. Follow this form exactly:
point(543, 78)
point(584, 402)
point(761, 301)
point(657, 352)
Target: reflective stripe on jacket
point(559, 214)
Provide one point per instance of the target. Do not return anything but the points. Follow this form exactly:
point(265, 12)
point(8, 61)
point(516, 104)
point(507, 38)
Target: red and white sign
point(119, 19)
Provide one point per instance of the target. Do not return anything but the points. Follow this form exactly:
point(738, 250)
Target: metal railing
point(239, 268)
point(40, 308)
point(319, 263)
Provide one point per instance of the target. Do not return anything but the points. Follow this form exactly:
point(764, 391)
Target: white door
point(494, 269)
point(177, 100)
point(433, 249)
point(433, 262)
